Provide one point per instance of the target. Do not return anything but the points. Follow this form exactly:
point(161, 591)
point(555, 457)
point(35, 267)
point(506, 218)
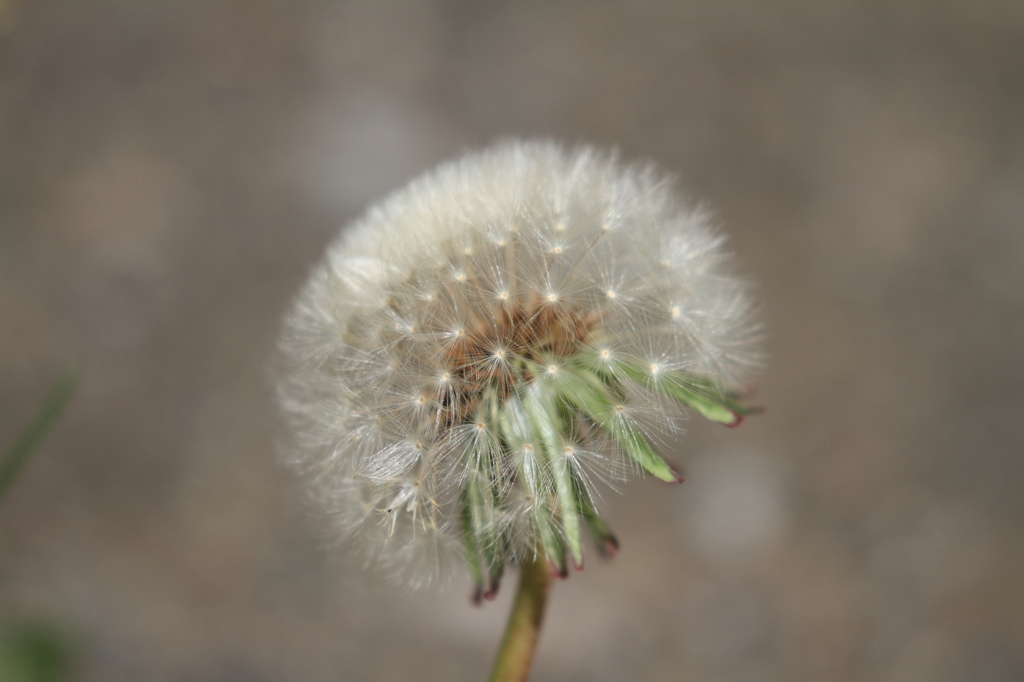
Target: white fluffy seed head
point(408, 350)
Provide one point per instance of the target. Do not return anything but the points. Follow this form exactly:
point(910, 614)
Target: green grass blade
point(35, 432)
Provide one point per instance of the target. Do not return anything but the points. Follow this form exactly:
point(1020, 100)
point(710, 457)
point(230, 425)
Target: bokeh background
point(169, 172)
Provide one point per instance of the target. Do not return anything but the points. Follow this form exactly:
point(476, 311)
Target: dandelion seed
point(456, 391)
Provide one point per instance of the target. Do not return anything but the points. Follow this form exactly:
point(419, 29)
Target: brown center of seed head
point(485, 351)
point(485, 355)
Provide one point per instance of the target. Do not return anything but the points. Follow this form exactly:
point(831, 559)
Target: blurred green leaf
point(33, 435)
point(34, 652)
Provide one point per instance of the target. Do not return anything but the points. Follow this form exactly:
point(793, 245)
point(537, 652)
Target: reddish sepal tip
point(608, 546)
point(560, 572)
point(675, 472)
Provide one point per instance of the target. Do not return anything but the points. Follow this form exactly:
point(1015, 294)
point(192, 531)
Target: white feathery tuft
point(485, 344)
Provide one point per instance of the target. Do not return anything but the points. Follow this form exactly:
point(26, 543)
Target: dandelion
point(484, 347)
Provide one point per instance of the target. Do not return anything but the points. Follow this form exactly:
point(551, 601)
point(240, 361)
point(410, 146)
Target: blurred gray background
point(169, 172)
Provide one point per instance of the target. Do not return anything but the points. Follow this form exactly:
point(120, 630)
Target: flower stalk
point(520, 641)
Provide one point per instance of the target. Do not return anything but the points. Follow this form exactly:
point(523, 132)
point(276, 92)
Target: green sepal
point(641, 451)
point(554, 547)
point(472, 551)
point(484, 548)
point(590, 394)
point(568, 503)
point(542, 409)
point(495, 557)
point(693, 391)
point(705, 400)
point(607, 543)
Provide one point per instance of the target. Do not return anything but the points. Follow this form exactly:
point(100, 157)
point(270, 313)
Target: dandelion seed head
point(474, 350)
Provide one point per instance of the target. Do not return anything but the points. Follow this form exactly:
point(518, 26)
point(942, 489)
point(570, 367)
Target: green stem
point(516, 652)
